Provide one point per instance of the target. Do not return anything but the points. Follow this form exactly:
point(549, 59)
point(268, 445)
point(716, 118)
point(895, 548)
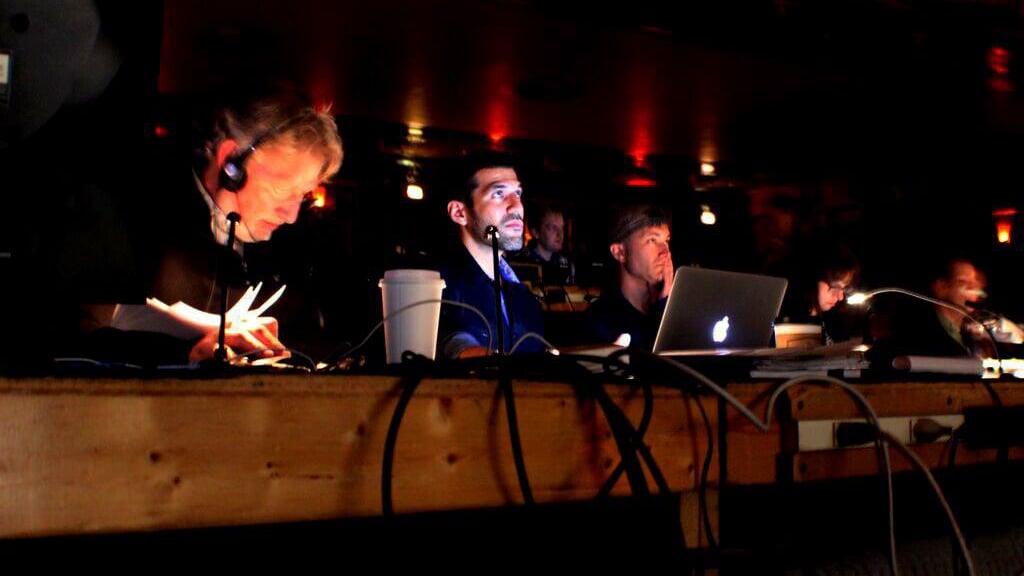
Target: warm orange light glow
point(414, 192)
point(707, 217)
point(319, 197)
point(1004, 212)
point(1004, 228)
point(707, 169)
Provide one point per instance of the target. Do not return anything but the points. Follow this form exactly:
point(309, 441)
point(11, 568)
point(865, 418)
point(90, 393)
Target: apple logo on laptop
point(721, 330)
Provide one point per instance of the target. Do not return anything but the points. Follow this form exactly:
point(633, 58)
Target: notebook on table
point(719, 312)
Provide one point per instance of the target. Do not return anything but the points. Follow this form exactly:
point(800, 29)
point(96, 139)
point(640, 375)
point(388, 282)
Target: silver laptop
point(718, 311)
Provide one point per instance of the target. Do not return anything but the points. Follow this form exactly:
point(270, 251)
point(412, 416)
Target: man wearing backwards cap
point(639, 244)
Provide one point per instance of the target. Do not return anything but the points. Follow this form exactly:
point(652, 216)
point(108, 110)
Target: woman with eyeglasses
point(818, 287)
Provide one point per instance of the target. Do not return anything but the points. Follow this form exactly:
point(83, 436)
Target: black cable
point(765, 425)
point(708, 457)
point(705, 468)
point(622, 432)
point(505, 384)
point(1003, 451)
point(247, 358)
point(637, 441)
point(221, 353)
point(641, 430)
point(702, 490)
point(996, 400)
point(339, 354)
point(616, 359)
point(645, 452)
point(915, 460)
point(409, 382)
point(565, 291)
point(954, 442)
point(615, 417)
point(499, 317)
point(622, 428)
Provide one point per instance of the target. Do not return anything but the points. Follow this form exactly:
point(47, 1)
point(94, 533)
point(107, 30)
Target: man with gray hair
point(263, 155)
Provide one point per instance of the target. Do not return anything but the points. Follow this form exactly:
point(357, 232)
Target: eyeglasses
point(284, 192)
point(279, 184)
point(837, 287)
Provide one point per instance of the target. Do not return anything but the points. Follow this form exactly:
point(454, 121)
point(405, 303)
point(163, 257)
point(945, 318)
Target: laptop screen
point(715, 309)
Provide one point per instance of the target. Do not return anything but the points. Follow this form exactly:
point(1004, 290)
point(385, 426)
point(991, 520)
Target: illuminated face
point(552, 232)
point(497, 201)
point(279, 178)
point(964, 287)
point(645, 253)
point(832, 293)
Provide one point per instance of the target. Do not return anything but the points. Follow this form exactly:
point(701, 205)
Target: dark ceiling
point(763, 84)
point(899, 122)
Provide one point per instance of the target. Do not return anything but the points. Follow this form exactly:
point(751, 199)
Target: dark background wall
point(895, 125)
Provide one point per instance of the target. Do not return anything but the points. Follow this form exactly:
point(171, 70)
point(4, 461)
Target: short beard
point(506, 243)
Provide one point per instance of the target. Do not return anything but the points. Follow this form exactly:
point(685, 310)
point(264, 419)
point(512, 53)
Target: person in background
point(818, 288)
point(910, 326)
point(547, 226)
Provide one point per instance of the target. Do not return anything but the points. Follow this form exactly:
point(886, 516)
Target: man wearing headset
point(260, 160)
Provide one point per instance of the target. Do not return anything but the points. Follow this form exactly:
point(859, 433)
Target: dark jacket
point(612, 315)
point(169, 252)
point(913, 328)
point(466, 282)
point(558, 271)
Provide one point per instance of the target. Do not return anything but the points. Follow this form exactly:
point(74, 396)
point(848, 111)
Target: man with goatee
point(487, 193)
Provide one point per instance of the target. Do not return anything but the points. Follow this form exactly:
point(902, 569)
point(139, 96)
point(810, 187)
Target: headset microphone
point(494, 235)
point(221, 353)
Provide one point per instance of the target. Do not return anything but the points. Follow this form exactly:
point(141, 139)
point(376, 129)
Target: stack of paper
point(185, 322)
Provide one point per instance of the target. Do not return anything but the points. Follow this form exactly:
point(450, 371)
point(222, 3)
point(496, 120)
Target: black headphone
point(232, 173)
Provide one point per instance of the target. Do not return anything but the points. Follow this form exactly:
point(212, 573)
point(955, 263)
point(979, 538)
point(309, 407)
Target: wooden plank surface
point(752, 454)
point(112, 455)
point(854, 462)
point(812, 402)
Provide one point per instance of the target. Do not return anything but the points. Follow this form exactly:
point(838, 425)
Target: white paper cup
point(790, 335)
point(414, 329)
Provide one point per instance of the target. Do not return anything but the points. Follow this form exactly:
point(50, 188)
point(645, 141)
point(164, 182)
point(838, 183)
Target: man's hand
point(241, 338)
point(668, 275)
